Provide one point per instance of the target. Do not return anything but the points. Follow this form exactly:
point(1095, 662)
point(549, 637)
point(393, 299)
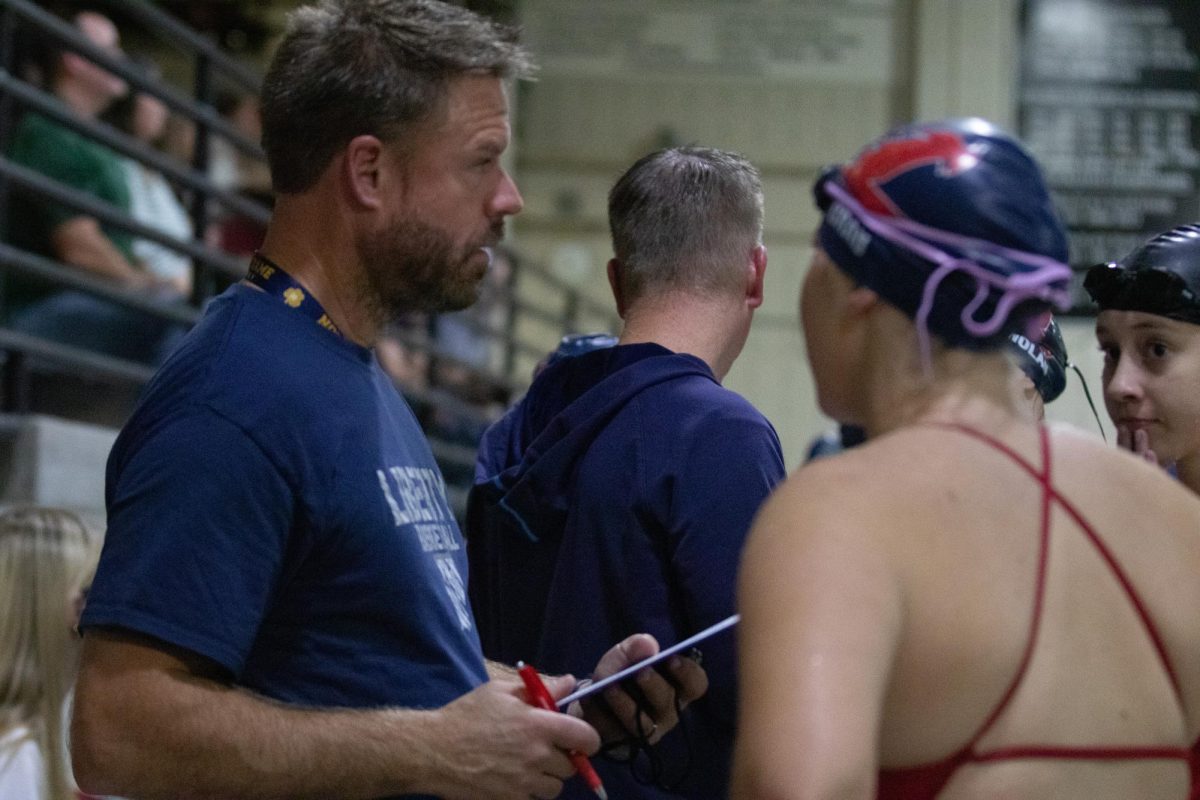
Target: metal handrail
point(73, 38)
point(546, 276)
point(427, 345)
point(74, 357)
point(48, 105)
point(178, 33)
point(537, 312)
point(43, 269)
point(497, 334)
point(434, 397)
point(210, 58)
point(89, 205)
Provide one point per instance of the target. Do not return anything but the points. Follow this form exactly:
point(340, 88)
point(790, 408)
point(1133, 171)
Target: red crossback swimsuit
point(927, 780)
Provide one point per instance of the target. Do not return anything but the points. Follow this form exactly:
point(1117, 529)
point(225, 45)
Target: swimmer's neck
point(980, 390)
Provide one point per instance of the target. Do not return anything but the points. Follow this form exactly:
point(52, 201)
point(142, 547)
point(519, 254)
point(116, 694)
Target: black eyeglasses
point(1152, 290)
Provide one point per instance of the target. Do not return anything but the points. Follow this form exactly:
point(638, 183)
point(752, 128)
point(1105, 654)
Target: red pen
point(536, 694)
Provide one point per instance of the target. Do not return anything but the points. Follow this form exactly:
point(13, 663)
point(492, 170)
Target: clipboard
point(637, 667)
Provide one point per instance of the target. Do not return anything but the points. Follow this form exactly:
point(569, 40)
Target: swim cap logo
point(947, 152)
point(1033, 349)
point(851, 230)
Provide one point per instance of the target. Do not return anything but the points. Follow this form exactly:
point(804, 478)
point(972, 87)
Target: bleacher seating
point(40, 377)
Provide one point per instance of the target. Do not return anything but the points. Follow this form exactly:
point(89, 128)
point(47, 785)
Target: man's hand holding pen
point(490, 743)
point(497, 746)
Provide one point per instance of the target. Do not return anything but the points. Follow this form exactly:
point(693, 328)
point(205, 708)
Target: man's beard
point(413, 266)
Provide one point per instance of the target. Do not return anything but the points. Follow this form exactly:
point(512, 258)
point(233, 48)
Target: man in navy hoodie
point(615, 497)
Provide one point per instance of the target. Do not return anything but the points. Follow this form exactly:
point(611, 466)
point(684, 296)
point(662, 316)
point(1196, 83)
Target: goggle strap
point(1088, 395)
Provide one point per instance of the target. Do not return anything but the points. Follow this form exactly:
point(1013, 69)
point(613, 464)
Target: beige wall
point(966, 65)
point(965, 58)
point(595, 109)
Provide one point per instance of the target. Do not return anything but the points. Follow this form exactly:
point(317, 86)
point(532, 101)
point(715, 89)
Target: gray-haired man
point(622, 487)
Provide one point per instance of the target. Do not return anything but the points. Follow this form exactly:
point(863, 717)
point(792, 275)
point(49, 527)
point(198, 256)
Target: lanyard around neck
point(271, 278)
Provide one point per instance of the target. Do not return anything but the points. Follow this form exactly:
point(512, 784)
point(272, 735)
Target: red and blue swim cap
point(952, 223)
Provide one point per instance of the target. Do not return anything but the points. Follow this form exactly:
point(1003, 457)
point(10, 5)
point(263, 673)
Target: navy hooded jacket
point(615, 499)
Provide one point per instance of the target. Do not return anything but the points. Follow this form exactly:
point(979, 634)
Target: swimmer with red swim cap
point(971, 604)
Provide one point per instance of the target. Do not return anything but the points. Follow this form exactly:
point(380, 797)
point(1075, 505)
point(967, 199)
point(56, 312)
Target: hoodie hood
point(528, 459)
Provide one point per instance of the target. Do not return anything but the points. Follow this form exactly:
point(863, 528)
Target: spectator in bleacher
point(75, 238)
point(403, 351)
point(280, 608)
point(152, 200)
point(465, 364)
point(622, 487)
point(466, 337)
point(46, 562)
point(232, 169)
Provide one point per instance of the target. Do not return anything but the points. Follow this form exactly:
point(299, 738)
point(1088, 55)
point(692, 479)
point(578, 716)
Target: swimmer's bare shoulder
point(905, 483)
point(846, 498)
point(1150, 520)
point(871, 482)
point(813, 664)
point(1151, 524)
point(1096, 474)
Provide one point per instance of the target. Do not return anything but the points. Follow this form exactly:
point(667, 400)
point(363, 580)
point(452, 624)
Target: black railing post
point(204, 284)
point(8, 63)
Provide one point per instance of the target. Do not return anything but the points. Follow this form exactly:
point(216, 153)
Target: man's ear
point(365, 170)
point(614, 283)
point(756, 270)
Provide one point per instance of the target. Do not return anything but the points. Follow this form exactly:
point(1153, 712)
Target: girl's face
point(1152, 379)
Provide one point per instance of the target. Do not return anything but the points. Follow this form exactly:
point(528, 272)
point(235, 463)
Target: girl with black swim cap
point(1149, 330)
point(970, 604)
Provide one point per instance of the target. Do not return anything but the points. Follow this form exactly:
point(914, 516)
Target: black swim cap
point(1160, 277)
point(1043, 360)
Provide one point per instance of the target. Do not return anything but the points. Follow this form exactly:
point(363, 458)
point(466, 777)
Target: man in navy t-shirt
point(617, 495)
point(281, 606)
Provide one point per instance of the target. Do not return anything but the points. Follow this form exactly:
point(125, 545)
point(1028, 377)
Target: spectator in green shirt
point(70, 236)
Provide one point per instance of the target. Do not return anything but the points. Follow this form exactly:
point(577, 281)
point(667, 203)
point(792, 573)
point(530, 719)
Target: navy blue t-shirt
point(274, 507)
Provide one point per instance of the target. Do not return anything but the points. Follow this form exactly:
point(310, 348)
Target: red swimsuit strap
point(925, 781)
point(1128, 753)
point(1042, 476)
point(1050, 492)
